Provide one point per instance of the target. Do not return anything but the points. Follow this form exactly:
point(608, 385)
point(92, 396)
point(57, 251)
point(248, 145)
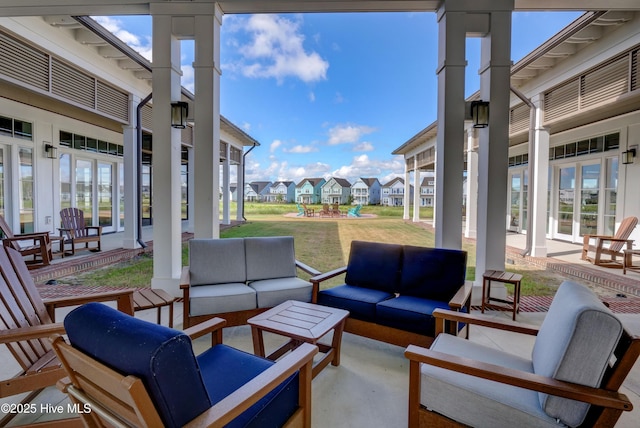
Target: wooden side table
point(627, 261)
point(301, 322)
point(149, 298)
point(506, 278)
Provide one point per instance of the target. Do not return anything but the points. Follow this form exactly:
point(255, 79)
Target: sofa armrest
point(532, 381)
point(306, 268)
point(300, 359)
point(185, 277)
point(462, 298)
point(442, 315)
point(316, 280)
point(124, 299)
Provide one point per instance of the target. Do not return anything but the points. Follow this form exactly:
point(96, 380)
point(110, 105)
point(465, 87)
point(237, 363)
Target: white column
point(207, 125)
point(416, 190)
point(471, 222)
point(240, 189)
point(191, 192)
point(406, 201)
point(540, 181)
point(450, 138)
point(130, 162)
point(167, 260)
point(226, 188)
point(493, 151)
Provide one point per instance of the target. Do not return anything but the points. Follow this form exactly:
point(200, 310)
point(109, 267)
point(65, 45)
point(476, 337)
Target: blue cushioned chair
point(142, 374)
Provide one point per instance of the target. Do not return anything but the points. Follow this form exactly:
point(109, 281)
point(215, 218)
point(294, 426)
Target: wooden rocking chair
point(27, 322)
point(74, 231)
point(36, 244)
point(615, 245)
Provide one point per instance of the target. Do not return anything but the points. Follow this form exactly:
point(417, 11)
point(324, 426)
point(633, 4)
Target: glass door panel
point(146, 195)
point(516, 188)
point(566, 199)
point(65, 180)
point(84, 189)
point(25, 177)
point(105, 195)
point(610, 196)
point(589, 196)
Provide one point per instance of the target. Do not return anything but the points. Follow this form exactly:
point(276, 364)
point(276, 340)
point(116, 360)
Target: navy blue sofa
point(392, 290)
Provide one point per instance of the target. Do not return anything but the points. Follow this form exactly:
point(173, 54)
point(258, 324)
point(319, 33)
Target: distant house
point(281, 191)
point(233, 192)
point(256, 190)
point(366, 191)
point(336, 190)
point(309, 191)
point(393, 193)
point(427, 190)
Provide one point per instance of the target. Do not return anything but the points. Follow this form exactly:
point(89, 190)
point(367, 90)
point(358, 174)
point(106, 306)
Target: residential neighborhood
point(364, 191)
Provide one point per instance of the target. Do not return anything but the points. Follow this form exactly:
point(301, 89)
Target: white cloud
point(246, 127)
point(312, 96)
point(339, 99)
point(140, 45)
point(187, 79)
point(275, 145)
point(363, 166)
point(342, 134)
point(301, 149)
point(365, 146)
point(275, 50)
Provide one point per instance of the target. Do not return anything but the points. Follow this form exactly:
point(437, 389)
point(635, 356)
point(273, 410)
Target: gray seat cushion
point(479, 402)
point(270, 257)
point(575, 343)
point(221, 298)
point(272, 292)
point(216, 261)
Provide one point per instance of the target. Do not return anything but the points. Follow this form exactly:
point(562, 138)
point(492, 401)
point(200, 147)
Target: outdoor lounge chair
point(301, 211)
point(355, 211)
point(308, 212)
point(135, 373)
point(612, 246)
point(581, 356)
point(74, 231)
point(36, 244)
point(26, 322)
point(325, 211)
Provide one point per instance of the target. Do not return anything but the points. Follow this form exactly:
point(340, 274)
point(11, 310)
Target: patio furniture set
point(581, 356)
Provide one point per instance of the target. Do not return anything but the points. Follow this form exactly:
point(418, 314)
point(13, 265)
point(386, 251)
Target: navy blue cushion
point(360, 302)
point(374, 265)
point(432, 273)
point(225, 369)
point(161, 357)
point(409, 313)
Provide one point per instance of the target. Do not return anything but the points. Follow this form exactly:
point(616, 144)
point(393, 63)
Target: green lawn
point(322, 243)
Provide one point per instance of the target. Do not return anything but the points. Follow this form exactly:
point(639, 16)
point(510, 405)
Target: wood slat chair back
point(624, 231)
point(29, 244)
point(72, 219)
point(115, 400)
point(21, 307)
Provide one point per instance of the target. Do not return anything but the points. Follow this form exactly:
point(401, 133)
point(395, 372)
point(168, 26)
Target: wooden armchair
point(615, 245)
point(325, 211)
point(308, 212)
point(159, 381)
point(74, 231)
point(27, 322)
point(581, 356)
point(36, 244)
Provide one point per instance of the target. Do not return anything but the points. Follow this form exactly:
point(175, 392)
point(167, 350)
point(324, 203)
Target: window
point(16, 128)
point(25, 177)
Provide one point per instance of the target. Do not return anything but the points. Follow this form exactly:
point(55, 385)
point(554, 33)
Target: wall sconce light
point(629, 155)
point(480, 113)
point(179, 112)
point(51, 151)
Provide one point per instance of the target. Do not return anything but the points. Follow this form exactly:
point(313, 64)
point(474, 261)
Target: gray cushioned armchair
point(581, 356)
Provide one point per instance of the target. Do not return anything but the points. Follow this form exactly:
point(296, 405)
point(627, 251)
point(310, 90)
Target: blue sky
point(333, 94)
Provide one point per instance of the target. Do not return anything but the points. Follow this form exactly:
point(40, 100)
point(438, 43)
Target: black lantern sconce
point(480, 113)
point(51, 151)
point(179, 112)
point(629, 155)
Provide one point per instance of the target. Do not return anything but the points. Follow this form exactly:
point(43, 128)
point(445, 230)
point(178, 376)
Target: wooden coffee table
point(301, 322)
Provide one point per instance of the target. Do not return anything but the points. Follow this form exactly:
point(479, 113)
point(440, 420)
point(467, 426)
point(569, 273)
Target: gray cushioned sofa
point(237, 278)
point(391, 290)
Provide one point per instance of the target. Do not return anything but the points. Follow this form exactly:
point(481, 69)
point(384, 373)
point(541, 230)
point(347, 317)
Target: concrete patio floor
point(370, 387)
